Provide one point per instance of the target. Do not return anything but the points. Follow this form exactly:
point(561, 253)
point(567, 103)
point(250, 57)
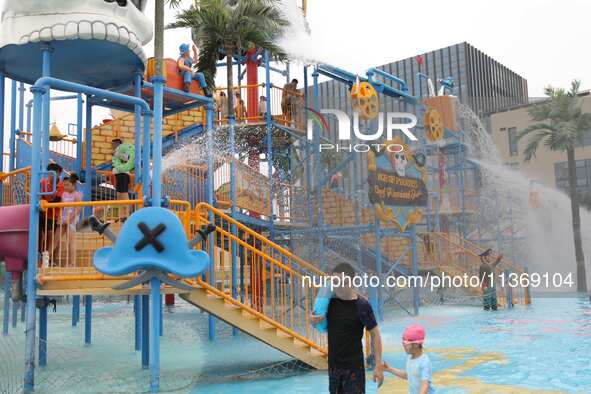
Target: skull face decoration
point(399, 162)
point(89, 33)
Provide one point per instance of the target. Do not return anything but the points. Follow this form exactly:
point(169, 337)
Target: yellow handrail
point(256, 235)
point(44, 205)
point(4, 175)
point(261, 316)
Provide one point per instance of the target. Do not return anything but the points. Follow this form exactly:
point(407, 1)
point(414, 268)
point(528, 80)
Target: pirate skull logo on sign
point(397, 184)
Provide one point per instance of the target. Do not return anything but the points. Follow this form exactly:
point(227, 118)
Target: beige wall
point(542, 167)
point(123, 126)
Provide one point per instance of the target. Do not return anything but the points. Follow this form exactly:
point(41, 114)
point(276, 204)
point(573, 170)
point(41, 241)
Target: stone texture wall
point(123, 127)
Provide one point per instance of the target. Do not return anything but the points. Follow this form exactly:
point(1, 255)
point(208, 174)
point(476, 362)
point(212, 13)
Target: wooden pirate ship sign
point(397, 188)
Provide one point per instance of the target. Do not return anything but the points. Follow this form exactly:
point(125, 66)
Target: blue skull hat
point(184, 48)
point(151, 238)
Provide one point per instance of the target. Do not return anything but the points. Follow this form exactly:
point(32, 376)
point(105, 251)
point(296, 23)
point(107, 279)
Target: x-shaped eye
point(150, 236)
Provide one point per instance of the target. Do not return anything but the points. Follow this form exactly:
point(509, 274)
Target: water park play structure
point(272, 226)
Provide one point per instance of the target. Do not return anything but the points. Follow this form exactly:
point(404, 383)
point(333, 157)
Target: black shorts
point(122, 183)
point(346, 381)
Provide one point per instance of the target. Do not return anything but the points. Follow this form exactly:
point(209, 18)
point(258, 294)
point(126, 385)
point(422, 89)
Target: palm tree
point(232, 26)
point(159, 31)
point(561, 125)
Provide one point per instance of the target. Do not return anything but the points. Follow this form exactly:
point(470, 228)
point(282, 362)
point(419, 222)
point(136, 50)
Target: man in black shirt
point(348, 314)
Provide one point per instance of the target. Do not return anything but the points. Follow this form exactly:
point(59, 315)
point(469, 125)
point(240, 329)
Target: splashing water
point(303, 45)
point(543, 233)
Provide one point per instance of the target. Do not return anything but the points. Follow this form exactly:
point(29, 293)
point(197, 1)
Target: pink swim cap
point(415, 333)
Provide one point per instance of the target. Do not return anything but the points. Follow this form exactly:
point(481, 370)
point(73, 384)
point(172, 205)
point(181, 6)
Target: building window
point(512, 135)
point(583, 174)
point(585, 141)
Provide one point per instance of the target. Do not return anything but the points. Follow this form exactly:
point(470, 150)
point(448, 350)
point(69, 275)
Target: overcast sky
point(545, 41)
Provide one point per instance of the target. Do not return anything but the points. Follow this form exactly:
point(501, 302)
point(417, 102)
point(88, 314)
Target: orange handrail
point(44, 205)
point(240, 226)
point(273, 281)
point(4, 175)
point(261, 316)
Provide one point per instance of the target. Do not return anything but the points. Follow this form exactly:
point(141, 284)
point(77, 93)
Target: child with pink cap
point(418, 365)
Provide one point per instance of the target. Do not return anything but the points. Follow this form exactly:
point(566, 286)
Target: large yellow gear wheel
point(365, 100)
point(433, 125)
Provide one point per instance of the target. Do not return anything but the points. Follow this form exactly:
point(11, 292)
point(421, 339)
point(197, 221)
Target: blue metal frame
point(87, 320)
point(11, 160)
point(75, 310)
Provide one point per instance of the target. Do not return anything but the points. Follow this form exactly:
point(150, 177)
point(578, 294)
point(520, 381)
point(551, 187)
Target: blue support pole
point(137, 314)
point(29, 109)
point(160, 317)
point(316, 147)
point(415, 269)
point(43, 334)
point(269, 121)
point(155, 333)
point(146, 155)
point(12, 147)
point(87, 320)
point(378, 252)
point(79, 132)
point(75, 310)
point(158, 83)
point(46, 72)
point(23, 310)
point(138, 127)
point(14, 314)
point(145, 331)
point(21, 106)
point(6, 310)
point(88, 149)
point(307, 151)
point(29, 379)
point(155, 296)
point(232, 124)
point(210, 240)
point(2, 86)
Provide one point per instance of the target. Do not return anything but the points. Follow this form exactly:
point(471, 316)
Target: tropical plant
point(159, 31)
point(230, 27)
point(562, 124)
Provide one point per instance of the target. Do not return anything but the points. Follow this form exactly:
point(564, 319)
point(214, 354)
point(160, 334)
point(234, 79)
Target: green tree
point(230, 27)
point(561, 126)
point(159, 31)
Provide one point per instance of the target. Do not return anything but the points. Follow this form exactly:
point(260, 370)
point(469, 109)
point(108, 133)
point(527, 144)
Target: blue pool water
point(546, 346)
point(541, 348)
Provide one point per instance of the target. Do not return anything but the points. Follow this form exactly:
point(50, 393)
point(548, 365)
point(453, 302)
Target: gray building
point(480, 81)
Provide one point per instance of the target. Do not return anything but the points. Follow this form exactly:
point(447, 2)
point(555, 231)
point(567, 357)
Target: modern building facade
point(547, 167)
point(480, 81)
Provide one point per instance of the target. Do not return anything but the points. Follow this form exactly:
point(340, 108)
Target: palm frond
point(533, 143)
point(561, 121)
point(535, 128)
point(174, 3)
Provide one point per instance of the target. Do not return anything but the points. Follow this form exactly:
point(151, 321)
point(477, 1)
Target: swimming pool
point(541, 348)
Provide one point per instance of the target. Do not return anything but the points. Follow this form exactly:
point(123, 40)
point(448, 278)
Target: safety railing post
point(31, 287)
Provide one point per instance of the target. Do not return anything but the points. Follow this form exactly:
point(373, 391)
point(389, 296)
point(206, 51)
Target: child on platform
point(185, 64)
point(70, 217)
point(418, 365)
point(263, 107)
